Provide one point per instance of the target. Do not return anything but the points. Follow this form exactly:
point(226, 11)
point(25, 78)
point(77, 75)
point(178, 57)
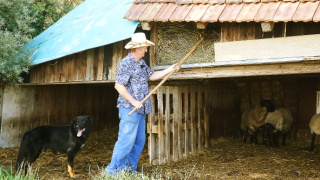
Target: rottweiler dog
point(65, 139)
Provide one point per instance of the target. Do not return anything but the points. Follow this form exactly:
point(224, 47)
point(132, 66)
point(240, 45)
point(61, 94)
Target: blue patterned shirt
point(134, 76)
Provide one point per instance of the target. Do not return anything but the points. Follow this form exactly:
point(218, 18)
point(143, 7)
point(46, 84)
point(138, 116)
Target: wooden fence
point(178, 125)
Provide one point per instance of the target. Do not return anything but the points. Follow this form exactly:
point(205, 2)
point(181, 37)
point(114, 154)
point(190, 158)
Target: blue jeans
point(130, 143)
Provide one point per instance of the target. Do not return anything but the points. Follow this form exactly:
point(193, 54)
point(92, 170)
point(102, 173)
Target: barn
point(251, 50)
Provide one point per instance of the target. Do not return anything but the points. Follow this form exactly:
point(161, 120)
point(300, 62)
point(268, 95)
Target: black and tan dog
point(65, 139)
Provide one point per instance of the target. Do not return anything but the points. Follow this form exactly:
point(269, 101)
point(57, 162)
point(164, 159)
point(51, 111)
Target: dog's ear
point(90, 119)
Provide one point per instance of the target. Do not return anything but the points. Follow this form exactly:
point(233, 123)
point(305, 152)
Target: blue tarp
point(92, 24)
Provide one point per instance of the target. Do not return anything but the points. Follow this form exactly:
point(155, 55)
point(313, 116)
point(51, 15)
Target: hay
point(175, 40)
point(227, 158)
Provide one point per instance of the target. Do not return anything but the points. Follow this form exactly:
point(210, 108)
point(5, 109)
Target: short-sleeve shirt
point(134, 76)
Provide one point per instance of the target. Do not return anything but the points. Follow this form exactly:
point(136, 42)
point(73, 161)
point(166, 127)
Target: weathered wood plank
point(100, 66)
point(108, 53)
point(152, 135)
point(160, 125)
point(167, 123)
point(117, 56)
point(206, 118)
point(200, 115)
point(193, 120)
point(186, 118)
point(179, 114)
point(176, 130)
point(306, 67)
point(90, 65)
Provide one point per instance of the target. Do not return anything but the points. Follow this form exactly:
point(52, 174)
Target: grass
point(123, 175)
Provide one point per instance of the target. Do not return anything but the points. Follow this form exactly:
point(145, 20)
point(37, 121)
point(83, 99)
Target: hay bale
point(175, 40)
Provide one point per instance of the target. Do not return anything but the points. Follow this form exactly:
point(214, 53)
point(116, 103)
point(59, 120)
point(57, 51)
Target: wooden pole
point(168, 75)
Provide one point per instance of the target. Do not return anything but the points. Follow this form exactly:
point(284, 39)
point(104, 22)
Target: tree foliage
point(20, 21)
point(15, 31)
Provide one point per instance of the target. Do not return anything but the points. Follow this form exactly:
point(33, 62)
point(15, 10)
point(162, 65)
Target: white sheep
point(314, 125)
point(277, 122)
point(253, 118)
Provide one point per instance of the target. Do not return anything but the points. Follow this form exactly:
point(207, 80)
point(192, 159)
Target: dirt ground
point(227, 158)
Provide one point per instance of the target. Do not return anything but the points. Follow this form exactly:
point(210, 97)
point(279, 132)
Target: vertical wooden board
point(117, 56)
point(199, 127)
point(152, 136)
point(65, 69)
point(154, 39)
point(95, 64)
point(100, 63)
point(76, 66)
point(70, 67)
point(176, 129)
point(206, 118)
point(167, 124)
point(187, 119)
point(160, 125)
point(193, 121)
point(179, 115)
point(47, 77)
point(83, 65)
point(108, 53)
point(26, 108)
point(90, 65)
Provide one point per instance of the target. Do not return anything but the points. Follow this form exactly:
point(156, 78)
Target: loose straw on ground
point(168, 75)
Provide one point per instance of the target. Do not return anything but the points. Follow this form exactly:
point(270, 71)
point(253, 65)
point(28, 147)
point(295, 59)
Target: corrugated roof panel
point(305, 11)
point(92, 24)
point(248, 12)
point(230, 12)
point(197, 12)
point(316, 17)
point(180, 13)
point(135, 12)
point(267, 11)
point(165, 13)
point(150, 12)
point(213, 13)
point(285, 11)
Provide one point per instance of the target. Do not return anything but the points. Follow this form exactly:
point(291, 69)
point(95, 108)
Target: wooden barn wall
point(252, 30)
point(98, 64)
point(25, 107)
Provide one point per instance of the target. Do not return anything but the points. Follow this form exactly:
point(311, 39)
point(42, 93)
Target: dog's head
point(82, 125)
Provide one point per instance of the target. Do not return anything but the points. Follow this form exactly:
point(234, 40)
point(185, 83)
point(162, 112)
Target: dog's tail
point(22, 157)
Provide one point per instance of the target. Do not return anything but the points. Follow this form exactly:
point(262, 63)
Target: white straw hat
point(138, 40)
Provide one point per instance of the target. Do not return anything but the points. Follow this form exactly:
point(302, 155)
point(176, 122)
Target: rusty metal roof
point(224, 10)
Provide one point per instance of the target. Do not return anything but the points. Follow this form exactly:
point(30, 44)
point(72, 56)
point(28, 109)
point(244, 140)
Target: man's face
point(142, 51)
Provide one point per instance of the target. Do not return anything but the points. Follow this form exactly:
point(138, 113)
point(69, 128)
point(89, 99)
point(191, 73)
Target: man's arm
point(122, 90)
point(160, 74)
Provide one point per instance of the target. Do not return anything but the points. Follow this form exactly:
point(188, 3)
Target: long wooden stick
point(168, 75)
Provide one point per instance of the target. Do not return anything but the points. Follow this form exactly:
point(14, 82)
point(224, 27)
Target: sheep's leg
point(312, 141)
point(276, 139)
point(284, 139)
point(254, 138)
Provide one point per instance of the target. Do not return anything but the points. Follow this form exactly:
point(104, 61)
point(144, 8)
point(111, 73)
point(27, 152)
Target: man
point(132, 86)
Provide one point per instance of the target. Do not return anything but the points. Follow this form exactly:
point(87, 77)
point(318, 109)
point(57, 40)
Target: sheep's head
point(268, 104)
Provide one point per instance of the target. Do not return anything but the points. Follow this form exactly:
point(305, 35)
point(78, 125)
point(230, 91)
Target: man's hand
point(137, 104)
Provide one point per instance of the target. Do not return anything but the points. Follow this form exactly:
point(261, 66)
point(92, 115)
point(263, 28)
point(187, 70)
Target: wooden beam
point(147, 25)
point(248, 70)
point(267, 26)
point(201, 25)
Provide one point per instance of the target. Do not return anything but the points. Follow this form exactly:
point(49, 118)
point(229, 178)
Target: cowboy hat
point(138, 40)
